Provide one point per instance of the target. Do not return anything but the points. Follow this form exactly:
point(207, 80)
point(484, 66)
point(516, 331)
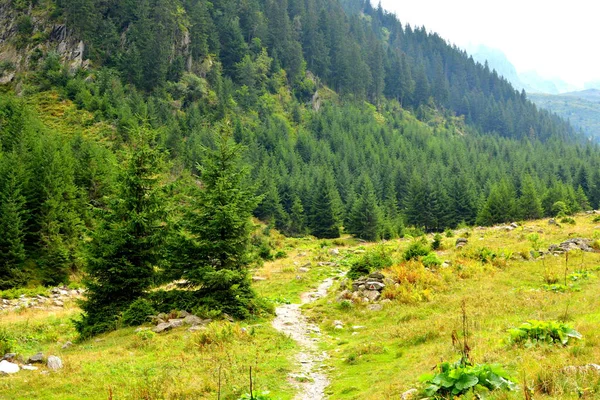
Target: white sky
point(555, 38)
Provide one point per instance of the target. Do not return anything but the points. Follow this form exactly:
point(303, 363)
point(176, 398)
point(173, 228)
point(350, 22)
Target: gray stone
point(29, 368)
point(258, 278)
point(54, 363)
point(409, 394)
point(197, 328)
point(334, 252)
point(303, 270)
point(175, 323)
point(461, 242)
point(372, 285)
point(67, 345)
point(372, 295)
point(36, 359)
point(9, 356)
point(165, 326)
point(192, 320)
point(183, 314)
point(374, 307)
point(6, 367)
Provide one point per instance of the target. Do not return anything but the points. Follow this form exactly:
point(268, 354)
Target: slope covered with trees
point(346, 121)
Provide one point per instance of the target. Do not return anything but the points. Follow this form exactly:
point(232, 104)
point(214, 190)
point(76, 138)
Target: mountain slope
point(581, 109)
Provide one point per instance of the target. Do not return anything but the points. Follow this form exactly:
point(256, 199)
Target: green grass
point(380, 359)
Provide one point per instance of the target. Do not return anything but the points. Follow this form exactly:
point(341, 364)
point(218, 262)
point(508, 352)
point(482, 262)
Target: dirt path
point(289, 320)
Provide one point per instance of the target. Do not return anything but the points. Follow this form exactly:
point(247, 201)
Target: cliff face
point(27, 35)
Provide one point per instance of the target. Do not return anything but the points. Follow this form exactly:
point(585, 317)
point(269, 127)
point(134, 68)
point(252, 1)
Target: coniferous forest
point(316, 117)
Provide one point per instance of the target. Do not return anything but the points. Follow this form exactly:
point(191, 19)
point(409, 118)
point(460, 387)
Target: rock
point(374, 307)
point(552, 221)
point(9, 357)
point(258, 278)
point(29, 368)
point(461, 242)
point(197, 328)
point(163, 327)
point(326, 264)
point(409, 394)
point(372, 295)
point(514, 225)
point(376, 276)
point(58, 303)
point(67, 345)
point(334, 252)
point(54, 363)
point(182, 314)
point(358, 327)
point(176, 323)
point(36, 359)
point(303, 270)
point(192, 320)
point(6, 367)
point(372, 285)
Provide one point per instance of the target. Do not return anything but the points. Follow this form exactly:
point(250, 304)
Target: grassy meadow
point(377, 354)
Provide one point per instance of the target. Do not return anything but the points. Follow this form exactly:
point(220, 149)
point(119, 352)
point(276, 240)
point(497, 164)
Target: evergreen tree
point(366, 216)
point(530, 204)
point(325, 209)
point(12, 222)
point(217, 253)
point(125, 247)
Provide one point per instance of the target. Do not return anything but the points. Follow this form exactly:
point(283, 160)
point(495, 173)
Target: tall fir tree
point(125, 247)
point(216, 252)
point(12, 222)
point(366, 218)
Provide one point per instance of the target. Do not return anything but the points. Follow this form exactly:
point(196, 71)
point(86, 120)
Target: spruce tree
point(366, 216)
point(216, 253)
point(325, 209)
point(126, 245)
point(12, 222)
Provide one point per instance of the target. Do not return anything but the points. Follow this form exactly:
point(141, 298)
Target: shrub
point(431, 261)
point(417, 249)
point(7, 342)
point(560, 209)
point(437, 242)
point(453, 380)
point(550, 332)
point(138, 313)
point(370, 261)
point(567, 220)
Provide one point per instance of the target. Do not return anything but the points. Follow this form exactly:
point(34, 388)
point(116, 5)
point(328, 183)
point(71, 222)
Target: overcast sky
point(554, 38)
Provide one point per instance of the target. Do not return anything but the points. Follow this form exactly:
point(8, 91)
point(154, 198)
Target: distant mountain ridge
point(531, 81)
point(581, 109)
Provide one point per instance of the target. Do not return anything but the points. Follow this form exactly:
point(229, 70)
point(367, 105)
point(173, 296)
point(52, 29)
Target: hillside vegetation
point(161, 153)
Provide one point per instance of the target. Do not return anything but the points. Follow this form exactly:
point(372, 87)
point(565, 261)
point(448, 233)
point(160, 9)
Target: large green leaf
point(466, 381)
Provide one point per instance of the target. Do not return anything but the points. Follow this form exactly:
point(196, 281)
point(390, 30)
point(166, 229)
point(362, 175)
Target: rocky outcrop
point(56, 299)
point(571, 244)
point(366, 288)
point(165, 322)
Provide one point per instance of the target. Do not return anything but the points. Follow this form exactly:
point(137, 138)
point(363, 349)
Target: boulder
point(373, 285)
point(162, 327)
point(372, 295)
point(374, 307)
point(6, 367)
point(9, 357)
point(54, 363)
point(67, 345)
point(176, 323)
point(36, 359)
point(409, 394)
point(192, 320)
point(461, 242)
